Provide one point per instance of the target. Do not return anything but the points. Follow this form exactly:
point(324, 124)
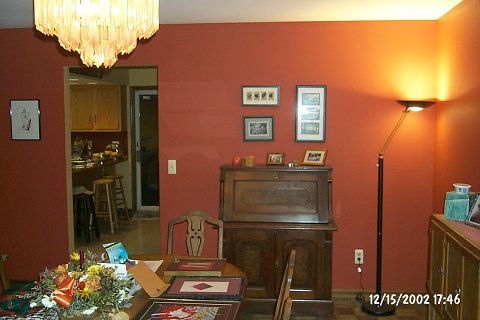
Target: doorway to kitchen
point(146, 150)
point(141, 233)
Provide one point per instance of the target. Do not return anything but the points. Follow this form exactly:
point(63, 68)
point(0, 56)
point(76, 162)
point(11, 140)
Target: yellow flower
point(94, 269)
point(75, 256)
point(61, 268)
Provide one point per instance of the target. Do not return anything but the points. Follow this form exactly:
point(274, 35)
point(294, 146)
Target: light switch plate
point(172, 166)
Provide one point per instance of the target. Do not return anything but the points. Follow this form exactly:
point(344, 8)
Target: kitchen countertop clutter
point(83, 158)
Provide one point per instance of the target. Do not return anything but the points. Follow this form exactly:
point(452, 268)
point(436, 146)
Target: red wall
point(457, 127)
point(201, 68)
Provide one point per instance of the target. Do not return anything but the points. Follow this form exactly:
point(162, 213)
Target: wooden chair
point(284, 301)
point(195, 238)
point(4, 283)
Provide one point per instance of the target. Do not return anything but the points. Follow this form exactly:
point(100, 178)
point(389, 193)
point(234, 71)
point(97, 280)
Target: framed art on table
point(207, 288)
point(189, 309)
point(25, 119)
point(473, 217)
point(310, 113)
point(260, 95)
point(258, 128)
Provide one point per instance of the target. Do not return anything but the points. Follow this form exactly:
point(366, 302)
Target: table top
point(141, 297)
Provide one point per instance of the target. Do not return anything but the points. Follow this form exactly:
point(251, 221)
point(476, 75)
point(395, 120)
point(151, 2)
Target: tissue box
point(457, 205)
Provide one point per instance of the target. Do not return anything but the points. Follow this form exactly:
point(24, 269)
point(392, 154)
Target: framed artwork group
point(310, 111)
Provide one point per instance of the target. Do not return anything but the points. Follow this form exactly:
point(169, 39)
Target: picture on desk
point(218, 288)
point(189, 309)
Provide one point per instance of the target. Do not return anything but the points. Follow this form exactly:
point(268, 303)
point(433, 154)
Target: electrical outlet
point(358, 256)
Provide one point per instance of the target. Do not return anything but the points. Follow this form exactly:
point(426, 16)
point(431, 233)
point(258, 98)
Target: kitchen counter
point(95, 166)
point(85, 174)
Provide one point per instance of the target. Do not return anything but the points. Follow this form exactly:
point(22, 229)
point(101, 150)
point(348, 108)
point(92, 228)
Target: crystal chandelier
point(99, 30)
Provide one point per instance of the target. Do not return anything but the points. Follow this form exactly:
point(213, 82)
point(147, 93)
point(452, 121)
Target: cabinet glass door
point(146, 136)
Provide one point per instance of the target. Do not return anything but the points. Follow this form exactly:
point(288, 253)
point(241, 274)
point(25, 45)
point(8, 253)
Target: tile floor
point(143, 236)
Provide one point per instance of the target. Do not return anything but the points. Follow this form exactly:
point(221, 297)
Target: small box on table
point(457, 205)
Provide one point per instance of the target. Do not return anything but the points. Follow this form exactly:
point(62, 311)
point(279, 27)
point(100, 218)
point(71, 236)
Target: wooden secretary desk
point(267, 210)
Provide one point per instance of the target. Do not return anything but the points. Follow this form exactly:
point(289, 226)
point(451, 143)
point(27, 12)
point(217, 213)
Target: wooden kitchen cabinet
point(267, 211)
point(95, 108)
point(453, 270)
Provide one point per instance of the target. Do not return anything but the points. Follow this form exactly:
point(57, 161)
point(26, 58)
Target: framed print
point(310, 113)
point(25, 119)
point(258, 128)
point(189, 309)
point(315, 157)
point(473, 217)
point(207, 288)
point(260, 95)
point(275, 158)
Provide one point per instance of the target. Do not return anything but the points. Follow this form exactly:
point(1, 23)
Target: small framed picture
point(275, 158)
point(258, 128)
point(25, 119)
point(260, 95)
point(310, 113)
point(315, 157)
point(473, 217)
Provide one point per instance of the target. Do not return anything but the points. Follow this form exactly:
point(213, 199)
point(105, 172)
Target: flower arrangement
point(80, 288)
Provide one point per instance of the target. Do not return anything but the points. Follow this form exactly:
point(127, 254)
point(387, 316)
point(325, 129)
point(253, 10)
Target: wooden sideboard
point(453, 270)
point(268, 210)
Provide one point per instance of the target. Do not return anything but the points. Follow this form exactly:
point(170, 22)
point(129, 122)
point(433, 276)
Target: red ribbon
point(64, 293)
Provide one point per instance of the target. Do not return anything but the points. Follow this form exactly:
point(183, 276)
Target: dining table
point(135, 308)
point(141, 299)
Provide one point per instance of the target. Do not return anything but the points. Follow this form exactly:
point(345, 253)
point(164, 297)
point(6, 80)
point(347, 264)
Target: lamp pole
point(374, 306)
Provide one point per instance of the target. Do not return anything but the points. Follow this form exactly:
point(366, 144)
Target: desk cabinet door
point(312, 272)
point(253, 252)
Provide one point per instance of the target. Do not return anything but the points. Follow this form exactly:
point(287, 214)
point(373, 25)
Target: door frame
point(136, 168)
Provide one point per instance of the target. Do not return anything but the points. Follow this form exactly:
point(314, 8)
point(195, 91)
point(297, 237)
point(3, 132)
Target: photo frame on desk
point(206, 288)
point(315, 157)
point(275, 158)
point(25, 119)
point(167, 308)
point(310, 113)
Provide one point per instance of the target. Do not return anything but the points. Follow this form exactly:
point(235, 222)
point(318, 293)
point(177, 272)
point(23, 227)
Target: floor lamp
point(371, 306)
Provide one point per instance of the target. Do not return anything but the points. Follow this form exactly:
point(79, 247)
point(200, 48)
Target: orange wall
point(458, 117)
point(366, 67)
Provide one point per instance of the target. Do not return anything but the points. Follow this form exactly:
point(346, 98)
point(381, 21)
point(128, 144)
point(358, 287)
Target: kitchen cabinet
point(269, 210)
point(453, 270)
point(95, 108)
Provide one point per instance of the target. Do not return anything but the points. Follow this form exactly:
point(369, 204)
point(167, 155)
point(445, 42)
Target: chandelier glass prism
point(99, 30)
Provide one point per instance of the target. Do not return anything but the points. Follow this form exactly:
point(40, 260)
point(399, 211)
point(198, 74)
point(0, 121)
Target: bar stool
point(103, 190)
point(119, 191)
point(85, 213)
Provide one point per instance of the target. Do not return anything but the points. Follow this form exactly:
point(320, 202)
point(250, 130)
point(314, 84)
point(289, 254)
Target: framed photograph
point(258, 128)
point(206, 288)
point(315, 157)
point(473, 217)
point(188, 309)
point(25, 119)
point(260, 95)
point(275, 158)
point(310, 113)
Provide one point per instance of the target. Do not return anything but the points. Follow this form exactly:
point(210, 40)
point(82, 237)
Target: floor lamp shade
point(374, 306)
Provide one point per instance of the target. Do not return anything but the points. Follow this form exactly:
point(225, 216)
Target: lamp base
point(378, 309)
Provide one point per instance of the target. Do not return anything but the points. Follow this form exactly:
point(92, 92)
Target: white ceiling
point(19, 13)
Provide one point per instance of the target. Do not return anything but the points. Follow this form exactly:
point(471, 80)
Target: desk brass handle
point(275, 176)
